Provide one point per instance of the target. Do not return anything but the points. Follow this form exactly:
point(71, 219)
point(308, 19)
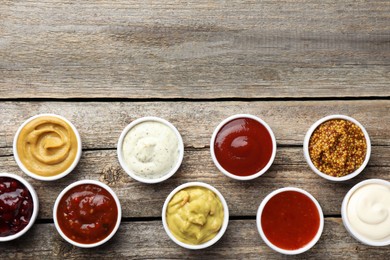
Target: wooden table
point(102, 64)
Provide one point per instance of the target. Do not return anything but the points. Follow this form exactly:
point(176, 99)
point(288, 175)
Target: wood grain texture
point(174, 59)
point(101, 123)
point(243, 198)
point(148, 240)
point(194, 49)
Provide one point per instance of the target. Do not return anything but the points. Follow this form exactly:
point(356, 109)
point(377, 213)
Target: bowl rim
point(225, 222)
point(34, 175)
point(218, 165)
point(278, 249)
point(120, 153)
point(82, 182)
point(344, 214)
point(35, 201)
point(307, 154)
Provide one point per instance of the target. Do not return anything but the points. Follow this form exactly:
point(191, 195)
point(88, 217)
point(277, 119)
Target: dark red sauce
point(243, 146)
point(16, 206)
point(87, 213)
point(290, 220)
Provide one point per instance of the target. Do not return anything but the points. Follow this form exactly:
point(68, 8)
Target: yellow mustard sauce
point(195, 215)
point(47, 146)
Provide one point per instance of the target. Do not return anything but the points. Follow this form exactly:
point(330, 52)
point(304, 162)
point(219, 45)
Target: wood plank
point(100, 123)
point(148, 240)
point(194, 49)
point(243, 198)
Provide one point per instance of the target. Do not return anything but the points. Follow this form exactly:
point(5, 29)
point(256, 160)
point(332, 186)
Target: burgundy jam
point(16, 206)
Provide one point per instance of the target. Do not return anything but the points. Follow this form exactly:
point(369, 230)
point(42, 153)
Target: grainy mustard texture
point(337, 147)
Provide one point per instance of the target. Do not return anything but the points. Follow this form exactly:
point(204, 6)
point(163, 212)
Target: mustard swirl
point(47, 146)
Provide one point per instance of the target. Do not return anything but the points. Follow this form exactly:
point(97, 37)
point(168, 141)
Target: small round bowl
point(276, 248)
point(82, 182)
point(35, 201)
point(344, 213)
point(307, 154)
point(219, 166)
point(133, 174)
point(225, 217)
point(49, 178)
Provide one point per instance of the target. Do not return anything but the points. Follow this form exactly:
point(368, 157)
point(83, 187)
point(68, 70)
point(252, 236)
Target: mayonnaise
point(150, 149)
point(368, 212)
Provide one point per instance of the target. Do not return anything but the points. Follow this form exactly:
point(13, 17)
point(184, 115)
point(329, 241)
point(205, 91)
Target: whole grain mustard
point(337, 147)
point(195, 215)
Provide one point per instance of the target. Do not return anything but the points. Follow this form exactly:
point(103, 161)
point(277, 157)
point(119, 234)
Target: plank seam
point(208, 100)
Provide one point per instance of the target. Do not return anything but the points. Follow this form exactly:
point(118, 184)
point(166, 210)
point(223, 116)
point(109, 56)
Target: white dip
point(150, 149)
point(368, 212)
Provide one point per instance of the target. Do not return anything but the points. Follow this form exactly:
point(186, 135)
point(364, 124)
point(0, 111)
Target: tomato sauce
point(290, 220)
point(87, 213)
point(243, 146)
point(16, 206)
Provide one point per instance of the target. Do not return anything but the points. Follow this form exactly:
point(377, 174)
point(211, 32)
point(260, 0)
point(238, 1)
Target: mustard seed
point(337, 147)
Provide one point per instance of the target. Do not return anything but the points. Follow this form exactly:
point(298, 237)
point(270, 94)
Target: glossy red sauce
point(87, 213)
point(243, 146)
point(290, 220)
point(16, 206)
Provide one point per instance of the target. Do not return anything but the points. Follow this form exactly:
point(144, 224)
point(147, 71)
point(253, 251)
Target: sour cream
point(150, 149)
point(368, 211)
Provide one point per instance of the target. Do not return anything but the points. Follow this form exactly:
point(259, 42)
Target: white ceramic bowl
point(35, 206)
point(281, 250)
point(255, 175)
point(82, 182)
point(344, 213)
point(50, 178)
point(225, 217)
point(133, 174)
point(307, 155)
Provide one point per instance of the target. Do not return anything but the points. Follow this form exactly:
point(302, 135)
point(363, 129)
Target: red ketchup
point(87, 213)
point(243, 146)
point(290, 220)
point(16, 206)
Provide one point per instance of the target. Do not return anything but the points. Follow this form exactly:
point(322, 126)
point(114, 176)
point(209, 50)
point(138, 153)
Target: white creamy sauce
point(368, 211)
point(150, 149)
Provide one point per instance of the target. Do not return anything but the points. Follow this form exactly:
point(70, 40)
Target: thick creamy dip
point(150, 149)
point(195, 215)
point(368, 212)
point(47, 146)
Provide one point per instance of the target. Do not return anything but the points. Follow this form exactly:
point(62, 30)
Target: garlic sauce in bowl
point(150, 149)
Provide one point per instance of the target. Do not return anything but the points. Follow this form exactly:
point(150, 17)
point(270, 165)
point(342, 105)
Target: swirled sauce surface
point(47, 146)
point(368, 211)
